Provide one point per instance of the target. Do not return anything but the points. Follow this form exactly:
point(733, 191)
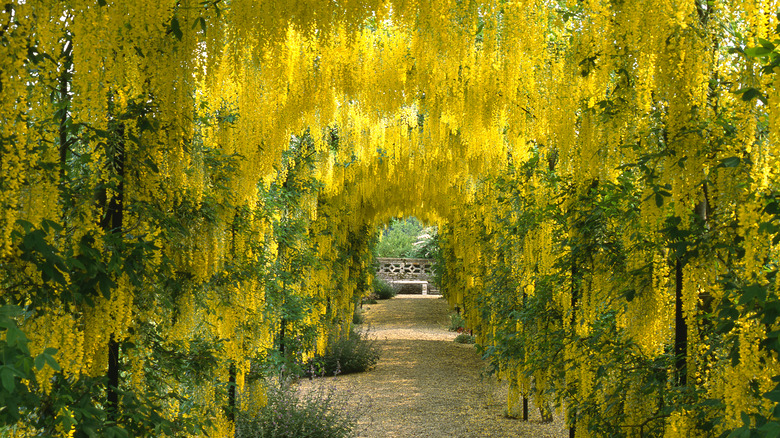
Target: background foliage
point(407, 238)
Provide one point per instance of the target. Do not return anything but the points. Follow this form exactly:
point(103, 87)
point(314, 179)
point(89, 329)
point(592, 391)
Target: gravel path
point(426, 385)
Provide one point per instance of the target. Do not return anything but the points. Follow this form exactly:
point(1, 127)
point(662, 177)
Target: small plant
point(369, 300)
point(457, 323)
point(289, 413)
point(465, 338)
point(357, 317)
point(382, 289)
point(353, 354)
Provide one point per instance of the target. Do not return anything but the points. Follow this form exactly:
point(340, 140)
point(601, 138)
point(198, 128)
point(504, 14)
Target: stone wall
point(398, 269)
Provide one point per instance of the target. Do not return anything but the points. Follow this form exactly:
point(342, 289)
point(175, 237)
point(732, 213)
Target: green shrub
point(382, 289)
point(369, 300)
point(353, 354)
point(457, 323)
point(465, 338)
point(320, 412)
point(357, 317)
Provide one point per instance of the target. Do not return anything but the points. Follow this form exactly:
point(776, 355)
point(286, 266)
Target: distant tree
point(427, 244)
point(407, 238)
point(398, 238)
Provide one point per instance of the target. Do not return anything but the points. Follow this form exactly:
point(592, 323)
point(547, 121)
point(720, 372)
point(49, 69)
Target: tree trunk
point(680, 328)
point(112, 223)
point(231, 411)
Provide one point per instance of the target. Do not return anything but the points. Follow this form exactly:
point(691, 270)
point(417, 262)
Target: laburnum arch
point(179, 178)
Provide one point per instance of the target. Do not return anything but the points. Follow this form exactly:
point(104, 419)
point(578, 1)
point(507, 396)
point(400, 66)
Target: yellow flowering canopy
point(605, 174)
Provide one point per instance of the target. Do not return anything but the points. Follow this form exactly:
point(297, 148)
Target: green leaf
point(117, 432)
point(772, 208)
point(730, 162)
point(16, 338)
point(771, 429)
point(7, 376)
point(745, 418)
point(47, 358)
point(753, 292)
point(152, 165)
point(175, 29)
point(49, 225)
point(757, 52)
point(40, 362)
point(76, 263)
point(202, 22)
point(679, 248)
point(766, 44)
point(774, 394)
point(10, 311)
point(750, 93)
point(740, 432)
point(52, 362)
point(106, 285)
point(12, 337)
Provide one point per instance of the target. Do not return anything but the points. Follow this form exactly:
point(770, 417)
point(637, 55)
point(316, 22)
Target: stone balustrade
point(398, 271)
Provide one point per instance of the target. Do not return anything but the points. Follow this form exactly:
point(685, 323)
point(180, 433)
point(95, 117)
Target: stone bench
point(423, 283)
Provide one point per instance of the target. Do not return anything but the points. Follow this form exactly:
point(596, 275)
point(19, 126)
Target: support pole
point(525, 408)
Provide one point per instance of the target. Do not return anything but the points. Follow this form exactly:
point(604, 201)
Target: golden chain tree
point(605, 173)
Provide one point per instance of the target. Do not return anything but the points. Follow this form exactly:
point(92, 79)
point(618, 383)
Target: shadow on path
point(426, 385)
